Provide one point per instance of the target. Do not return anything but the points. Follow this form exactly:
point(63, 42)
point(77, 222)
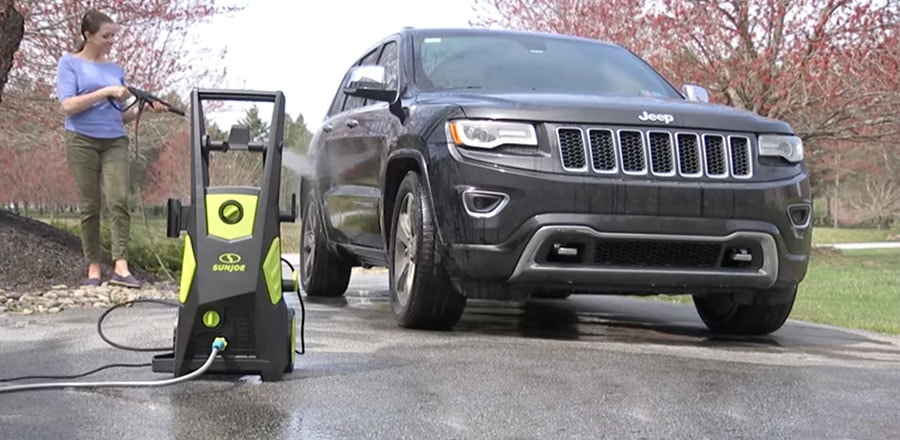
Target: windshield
point(527, 63)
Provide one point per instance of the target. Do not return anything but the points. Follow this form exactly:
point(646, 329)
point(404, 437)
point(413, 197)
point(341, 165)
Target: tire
point(722, 314)
point(427, 300)
point(322, 273)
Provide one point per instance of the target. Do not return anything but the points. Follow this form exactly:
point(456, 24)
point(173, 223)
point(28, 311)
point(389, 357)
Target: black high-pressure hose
point(142, 98)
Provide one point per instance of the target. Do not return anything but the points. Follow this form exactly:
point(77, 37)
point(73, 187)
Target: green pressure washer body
point(231, 278)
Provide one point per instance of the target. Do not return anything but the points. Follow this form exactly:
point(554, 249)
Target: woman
point(96, 142)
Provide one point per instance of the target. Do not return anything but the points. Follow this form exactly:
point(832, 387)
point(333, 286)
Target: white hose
point(217, 347)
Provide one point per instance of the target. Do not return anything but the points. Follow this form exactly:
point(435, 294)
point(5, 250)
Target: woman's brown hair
point(90, 23)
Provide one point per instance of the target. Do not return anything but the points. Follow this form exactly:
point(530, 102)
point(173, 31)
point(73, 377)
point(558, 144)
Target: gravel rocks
point(61, 297)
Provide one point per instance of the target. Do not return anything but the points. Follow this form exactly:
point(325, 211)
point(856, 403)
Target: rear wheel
point(722, 314)
point(322, 273)
point(421, 293)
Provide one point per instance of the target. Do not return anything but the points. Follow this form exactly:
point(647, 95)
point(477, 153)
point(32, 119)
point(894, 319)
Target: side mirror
point(369, 82)
point(695, 93)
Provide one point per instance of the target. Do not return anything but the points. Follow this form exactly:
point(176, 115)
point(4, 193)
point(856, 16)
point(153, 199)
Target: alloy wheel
point(405, 250)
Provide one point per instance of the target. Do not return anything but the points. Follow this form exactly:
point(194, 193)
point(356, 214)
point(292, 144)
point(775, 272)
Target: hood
point(592, 109)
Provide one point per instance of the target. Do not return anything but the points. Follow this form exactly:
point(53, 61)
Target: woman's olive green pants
point(95, 163)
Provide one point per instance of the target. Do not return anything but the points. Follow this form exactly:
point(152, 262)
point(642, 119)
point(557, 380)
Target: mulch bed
point(36, 256)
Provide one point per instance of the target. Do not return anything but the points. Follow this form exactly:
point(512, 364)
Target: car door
point(322, 148)
point(370, 130)
point(348, 199)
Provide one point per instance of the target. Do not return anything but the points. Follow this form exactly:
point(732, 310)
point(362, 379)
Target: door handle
point(327, 128)
point(351, 123)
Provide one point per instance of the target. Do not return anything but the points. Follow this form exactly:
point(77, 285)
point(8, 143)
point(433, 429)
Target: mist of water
point(302, 165)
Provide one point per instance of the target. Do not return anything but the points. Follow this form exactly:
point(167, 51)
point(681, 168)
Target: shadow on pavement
point(601, 318)
point(619, 319)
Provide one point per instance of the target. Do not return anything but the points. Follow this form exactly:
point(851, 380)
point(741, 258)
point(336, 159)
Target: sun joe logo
point(657, 117)
point(229, 262)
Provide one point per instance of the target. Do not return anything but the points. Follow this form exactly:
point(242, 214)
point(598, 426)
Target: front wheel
point(421, 293)
point(722, 314)
point(322, 273)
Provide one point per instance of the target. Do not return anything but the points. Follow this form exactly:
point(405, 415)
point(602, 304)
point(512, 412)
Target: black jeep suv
point(504, 164)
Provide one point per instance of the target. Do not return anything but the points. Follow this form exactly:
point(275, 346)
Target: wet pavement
point(585, 367)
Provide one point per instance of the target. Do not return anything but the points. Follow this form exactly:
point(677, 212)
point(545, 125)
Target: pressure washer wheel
point(322, 271)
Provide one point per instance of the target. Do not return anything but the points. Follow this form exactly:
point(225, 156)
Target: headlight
point(491, 134)
point(788, 147)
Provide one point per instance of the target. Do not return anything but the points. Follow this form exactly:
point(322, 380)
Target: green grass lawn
point(856, 289)
point(846, 235)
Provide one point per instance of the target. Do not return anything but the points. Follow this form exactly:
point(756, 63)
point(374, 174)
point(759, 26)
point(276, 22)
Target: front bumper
point(614, 235)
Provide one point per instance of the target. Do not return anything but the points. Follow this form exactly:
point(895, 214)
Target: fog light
point(800, 215)
point(483, 204)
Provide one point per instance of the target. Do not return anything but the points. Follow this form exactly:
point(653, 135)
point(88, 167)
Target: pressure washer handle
point(147, 97)
point(143, 97)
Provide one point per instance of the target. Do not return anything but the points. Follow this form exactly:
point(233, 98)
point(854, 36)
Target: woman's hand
point(117, 92)
point(157, 107)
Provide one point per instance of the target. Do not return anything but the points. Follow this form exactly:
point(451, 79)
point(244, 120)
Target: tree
point(879, 200)
point(12, 28)
point(157, 45)
point(169, 176)
point(621, 21)
point(259, 129)
point(296, 134)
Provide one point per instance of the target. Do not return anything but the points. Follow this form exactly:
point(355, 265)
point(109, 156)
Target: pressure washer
point(232, 316)
point(231, 278)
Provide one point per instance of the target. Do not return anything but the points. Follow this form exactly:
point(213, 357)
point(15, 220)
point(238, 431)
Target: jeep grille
point(656, 152)
point(651, 253)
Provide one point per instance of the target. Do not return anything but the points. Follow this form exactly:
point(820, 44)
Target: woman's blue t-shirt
point(77, 76)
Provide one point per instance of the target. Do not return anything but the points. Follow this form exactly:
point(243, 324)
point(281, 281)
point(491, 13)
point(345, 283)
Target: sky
point(304, 47)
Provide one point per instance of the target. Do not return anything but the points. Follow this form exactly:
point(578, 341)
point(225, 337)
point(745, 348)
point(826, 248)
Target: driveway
point(585, 367)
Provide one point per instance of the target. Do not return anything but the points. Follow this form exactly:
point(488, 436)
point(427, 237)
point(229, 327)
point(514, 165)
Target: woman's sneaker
point(126, 281)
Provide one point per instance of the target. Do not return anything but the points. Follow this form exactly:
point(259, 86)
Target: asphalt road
point(585, 367)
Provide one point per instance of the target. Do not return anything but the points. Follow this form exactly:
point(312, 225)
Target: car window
point(391, 62)
point(353, 102)
point(517, 63)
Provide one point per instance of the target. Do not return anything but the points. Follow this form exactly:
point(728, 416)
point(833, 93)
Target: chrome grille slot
point(741, 159)
point(690, 163)
point(715, 155)
point(631, 146)
point(656, 151)
point(603, 151)
point(662, 158)
point(571, 149)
